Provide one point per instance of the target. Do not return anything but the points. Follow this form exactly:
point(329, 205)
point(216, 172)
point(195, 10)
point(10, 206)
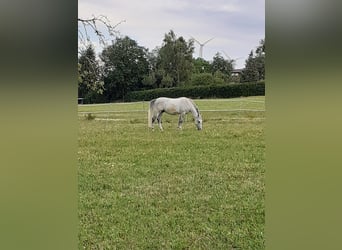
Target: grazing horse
point(173, 106)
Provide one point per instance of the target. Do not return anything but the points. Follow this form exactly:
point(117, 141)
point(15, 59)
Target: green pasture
point(256, 102)
point(176, 189)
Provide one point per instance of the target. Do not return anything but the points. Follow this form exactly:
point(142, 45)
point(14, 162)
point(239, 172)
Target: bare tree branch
point(94, 25)
point(104, 31)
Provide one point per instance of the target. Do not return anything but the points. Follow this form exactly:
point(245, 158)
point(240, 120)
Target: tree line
point(124, 66)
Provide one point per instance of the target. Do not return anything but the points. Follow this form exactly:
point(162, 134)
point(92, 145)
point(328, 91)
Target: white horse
point(173, 106)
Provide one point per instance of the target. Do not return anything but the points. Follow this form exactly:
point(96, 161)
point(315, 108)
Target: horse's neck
point(194, 110)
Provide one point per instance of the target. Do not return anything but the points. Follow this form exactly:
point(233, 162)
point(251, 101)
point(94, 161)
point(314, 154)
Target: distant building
point(236, 75)
point(237, 72)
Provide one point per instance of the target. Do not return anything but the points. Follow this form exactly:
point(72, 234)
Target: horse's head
point(198, 122)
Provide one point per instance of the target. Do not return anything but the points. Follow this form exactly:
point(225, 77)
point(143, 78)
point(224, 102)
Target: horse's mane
point(195, 106)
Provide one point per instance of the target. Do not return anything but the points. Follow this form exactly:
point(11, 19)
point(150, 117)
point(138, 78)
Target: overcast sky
point(237, 26)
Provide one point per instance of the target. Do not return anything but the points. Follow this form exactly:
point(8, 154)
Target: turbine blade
point(226, 54)
point(196, 40)
point(208, 41)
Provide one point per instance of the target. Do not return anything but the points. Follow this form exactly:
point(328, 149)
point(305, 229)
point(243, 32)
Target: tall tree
point(90, 81)
point(221, 66)
point(250, 72)
point(175, 60)
point(125, 66)
point(201, 66)
point(255, 65)
point(153, 79)
point(260, 59)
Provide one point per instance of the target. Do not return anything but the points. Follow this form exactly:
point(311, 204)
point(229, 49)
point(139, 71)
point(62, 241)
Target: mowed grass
point(176, 189)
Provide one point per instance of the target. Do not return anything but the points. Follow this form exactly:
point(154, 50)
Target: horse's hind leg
point(160, 121)
point(153, 120)
point(180, 120)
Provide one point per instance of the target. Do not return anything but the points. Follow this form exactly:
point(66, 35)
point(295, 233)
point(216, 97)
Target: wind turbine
point(233, 61)
point(201, 46)
point(229, 58)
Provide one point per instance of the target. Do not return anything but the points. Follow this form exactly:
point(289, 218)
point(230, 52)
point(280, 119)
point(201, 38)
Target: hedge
point(198, 92)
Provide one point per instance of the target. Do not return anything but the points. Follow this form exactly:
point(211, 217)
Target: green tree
point(90, 82)
point(260, 59)
point(222, 67)
point(255, 65)
point(250, 72)
point(125, 67)
point(201, 66)
point(175, 60)
point(220, 78)
point(153, 79)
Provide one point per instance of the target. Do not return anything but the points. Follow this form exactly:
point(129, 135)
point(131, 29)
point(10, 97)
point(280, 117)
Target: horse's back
point(172, 105)
point(176, 100)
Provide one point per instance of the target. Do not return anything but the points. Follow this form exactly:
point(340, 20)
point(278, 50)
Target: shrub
point(202, 79)
point(207, 91)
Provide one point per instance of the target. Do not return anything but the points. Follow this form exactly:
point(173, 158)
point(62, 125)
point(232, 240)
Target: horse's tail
point(149, 118)
point(149, 115)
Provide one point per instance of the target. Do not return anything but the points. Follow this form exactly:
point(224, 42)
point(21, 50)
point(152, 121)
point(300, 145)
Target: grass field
point(176, 189)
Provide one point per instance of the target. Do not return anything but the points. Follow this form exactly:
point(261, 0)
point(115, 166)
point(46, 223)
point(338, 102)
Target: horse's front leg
point(180, 120)
point(160, 121)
